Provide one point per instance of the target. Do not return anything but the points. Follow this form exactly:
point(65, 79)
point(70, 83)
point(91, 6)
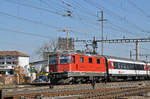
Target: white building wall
point(24, 62)
point(47, 68)
point(39, 65)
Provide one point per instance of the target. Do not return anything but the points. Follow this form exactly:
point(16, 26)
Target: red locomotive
point(73, 67)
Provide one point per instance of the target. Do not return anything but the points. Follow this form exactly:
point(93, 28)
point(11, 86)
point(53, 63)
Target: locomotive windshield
point(53, 59)
point(64, 59)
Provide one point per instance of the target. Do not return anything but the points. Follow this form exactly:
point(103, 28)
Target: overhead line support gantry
point(136, 41)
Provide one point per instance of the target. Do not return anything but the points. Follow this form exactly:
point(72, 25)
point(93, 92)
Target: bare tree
point(46, 48)
point(59, 44)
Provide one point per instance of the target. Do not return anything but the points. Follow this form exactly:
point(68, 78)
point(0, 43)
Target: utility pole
point(137, 50)
point(94, 45)
point(67, 39)
point(130, 54)
point(102, 32)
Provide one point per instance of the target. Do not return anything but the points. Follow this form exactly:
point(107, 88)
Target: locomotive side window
point(98, 61)
point(81, 59)
point(90, 60)
point(73, 59)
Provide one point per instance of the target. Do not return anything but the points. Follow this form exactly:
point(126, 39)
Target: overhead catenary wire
point(62, 14)
point(29, 20)
point(33, 21)
point(41, 23)
point(119, 27)
point(130, 32)
point(48, 5)
point(67, 4)
point(24, 33)
point(123, 29)
point(139, 9)
point(84, 12)
point(35, 7)
point(19, 3)
point(108, 11)
point(143, 13)
point(29, 33)
point(82, 20)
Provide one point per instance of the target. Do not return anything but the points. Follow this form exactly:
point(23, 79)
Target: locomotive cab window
point(64, 59)
point(52, 59)
point(90, 60)
point(98, 61)
point(81, 59)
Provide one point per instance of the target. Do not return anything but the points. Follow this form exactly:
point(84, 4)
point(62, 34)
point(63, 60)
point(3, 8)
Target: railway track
point(113, 93)
point(82, 91)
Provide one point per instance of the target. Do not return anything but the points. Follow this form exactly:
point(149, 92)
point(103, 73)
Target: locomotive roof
point(97, 55)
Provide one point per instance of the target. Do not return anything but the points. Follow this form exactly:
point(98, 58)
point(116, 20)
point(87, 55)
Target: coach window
point(115, 65)
point(133, 67)
point(98, 61)
point(90, 60)
point(142, 67)
point(73, 59)
point(81, 59)
point(122, 66)
point(130, 66)
point(136, 66)
point(119, 67)
point(127, 66)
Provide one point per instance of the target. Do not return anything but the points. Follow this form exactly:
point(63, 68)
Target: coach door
point(148, 69)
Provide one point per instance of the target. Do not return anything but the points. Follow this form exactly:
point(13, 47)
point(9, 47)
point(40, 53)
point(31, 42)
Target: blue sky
point(27, 24)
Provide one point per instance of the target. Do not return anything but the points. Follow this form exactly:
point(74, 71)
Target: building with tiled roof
point(12, 53)
point(11, 59)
